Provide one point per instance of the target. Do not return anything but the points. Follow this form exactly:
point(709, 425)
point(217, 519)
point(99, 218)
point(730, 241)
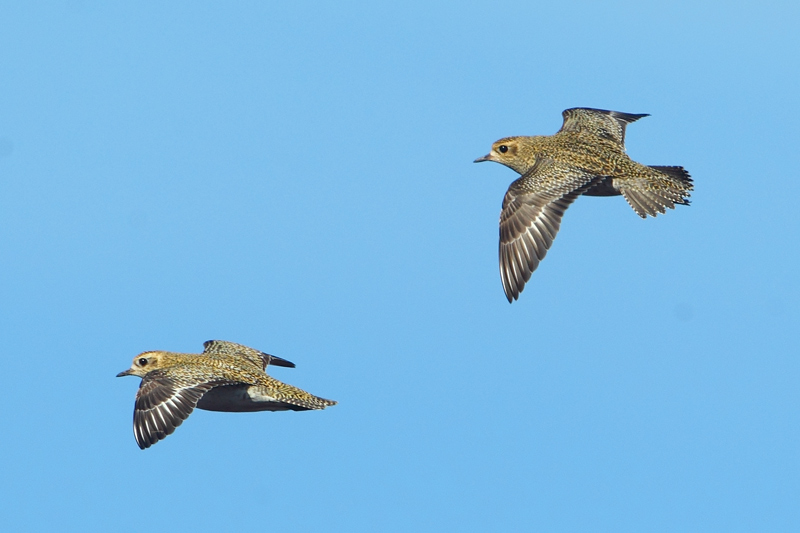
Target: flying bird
point(585, 157)
point(225, 377)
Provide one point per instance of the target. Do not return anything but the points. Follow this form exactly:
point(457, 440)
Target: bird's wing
point(606, 124)
point(531, 216)
point(162, 404)
point(260, 359)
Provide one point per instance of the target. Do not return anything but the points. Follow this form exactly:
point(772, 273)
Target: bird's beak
point(124, 373)
point(487, 157)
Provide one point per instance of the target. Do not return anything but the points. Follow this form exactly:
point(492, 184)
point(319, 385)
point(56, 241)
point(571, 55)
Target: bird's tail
point(661, 188)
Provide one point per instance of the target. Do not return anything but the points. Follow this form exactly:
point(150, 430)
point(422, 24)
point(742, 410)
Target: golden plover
point(225, 377)
point(585, 157)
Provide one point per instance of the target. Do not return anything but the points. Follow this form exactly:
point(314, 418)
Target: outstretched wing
point(162, 404)
point(531, 217)
point(258, 358)
point(606, 124)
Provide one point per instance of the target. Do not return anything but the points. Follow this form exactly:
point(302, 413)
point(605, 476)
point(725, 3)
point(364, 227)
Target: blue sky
point(299, 178)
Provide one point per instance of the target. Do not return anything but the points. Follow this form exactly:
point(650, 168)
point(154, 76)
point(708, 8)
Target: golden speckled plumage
point(585, 157)
point(225, 377)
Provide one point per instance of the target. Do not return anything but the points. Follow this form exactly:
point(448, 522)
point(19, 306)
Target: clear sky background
point(298, 177)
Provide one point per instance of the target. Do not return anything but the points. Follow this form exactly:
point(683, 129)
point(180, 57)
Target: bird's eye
point(142, 361)
point(502, 148)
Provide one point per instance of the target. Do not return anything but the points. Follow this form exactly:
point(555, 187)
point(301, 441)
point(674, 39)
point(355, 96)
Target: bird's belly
point(240, 399)
point(603, 188)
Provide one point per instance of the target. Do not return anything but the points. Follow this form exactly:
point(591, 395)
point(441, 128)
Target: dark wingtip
point(279, 361)
point(627, 117)
point(511, 297)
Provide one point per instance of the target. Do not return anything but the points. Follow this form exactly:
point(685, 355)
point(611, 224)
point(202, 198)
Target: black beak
point(487, 157)
point(124, 373)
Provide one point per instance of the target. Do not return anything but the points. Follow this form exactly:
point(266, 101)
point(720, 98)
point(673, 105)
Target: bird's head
point(513, 152)
point(143, 364)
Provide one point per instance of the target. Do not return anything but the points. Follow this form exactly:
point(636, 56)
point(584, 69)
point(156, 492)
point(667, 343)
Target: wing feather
point(531, 217)
point(600, 122)
point(258, 358)
point(162, 404)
